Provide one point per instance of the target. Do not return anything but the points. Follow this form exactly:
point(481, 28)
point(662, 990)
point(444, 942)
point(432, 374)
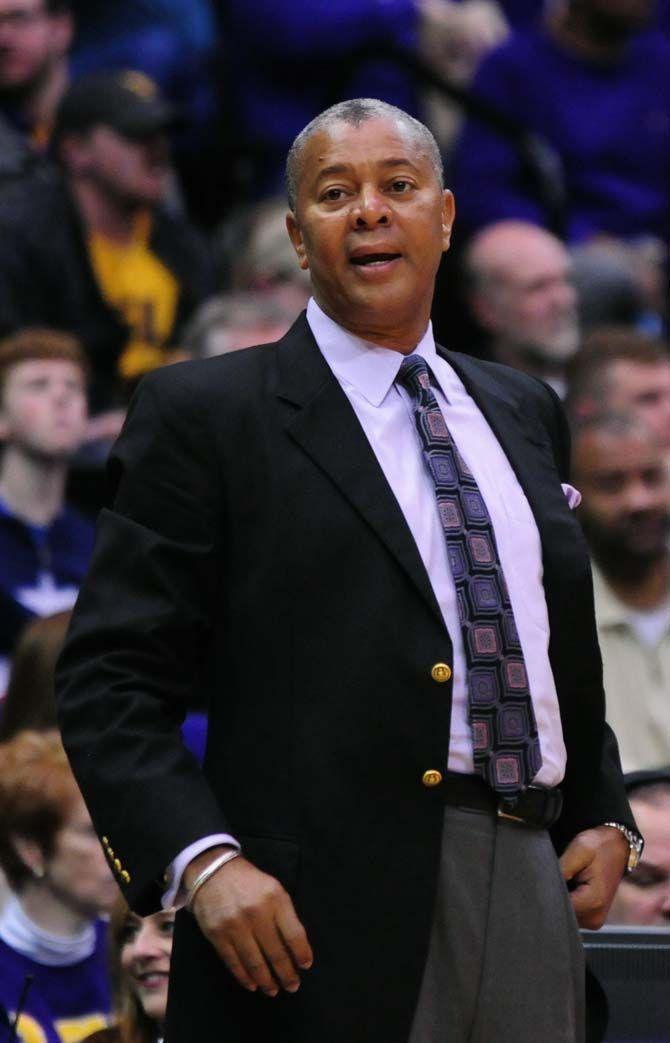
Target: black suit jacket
point(255, 548)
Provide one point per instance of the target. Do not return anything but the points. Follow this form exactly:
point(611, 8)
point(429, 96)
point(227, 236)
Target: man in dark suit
point(395, 653)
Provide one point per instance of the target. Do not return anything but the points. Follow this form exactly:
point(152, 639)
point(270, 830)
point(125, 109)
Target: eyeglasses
point(19, 19)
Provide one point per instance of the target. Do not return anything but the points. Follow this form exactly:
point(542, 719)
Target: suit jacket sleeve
point(138, 636)
point(598, 795)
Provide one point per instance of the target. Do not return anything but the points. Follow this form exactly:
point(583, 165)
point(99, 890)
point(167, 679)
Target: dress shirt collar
point(367, 367)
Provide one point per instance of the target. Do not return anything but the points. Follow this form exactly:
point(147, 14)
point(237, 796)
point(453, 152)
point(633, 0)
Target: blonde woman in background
point(140, 950)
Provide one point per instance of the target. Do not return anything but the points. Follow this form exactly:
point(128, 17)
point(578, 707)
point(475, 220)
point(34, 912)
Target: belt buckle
point(505, 809)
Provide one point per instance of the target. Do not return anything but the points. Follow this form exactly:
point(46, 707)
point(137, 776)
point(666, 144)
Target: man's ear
point(30, 853)
point(295, 235)
point(448, 217)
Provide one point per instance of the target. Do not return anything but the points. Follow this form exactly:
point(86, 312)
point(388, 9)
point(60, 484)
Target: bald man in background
point(520, 290)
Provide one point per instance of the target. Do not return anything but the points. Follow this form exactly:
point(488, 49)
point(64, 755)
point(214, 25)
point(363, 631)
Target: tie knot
point(414, 374)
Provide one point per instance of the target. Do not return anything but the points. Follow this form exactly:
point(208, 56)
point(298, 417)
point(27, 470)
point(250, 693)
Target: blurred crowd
point(142, 222)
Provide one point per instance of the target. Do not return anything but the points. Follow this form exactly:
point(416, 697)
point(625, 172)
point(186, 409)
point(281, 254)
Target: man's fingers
point(278, 957)
point(294, 935)
point(255, 964)
point(284, 943)
point(574, 859)
point(236, 967)
point(251, 921)
point(590, 906)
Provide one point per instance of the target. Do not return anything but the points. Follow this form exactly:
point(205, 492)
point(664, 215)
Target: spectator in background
point(455, 35)
point(257, 253)
point(267, 288)
point(140, 951)
point(44, 545)
point(622, 371)
point(453, 38)
point(175, 42)
point(49, 928)
point(30, 702)
point(644, 896)
point(35, 38)
point(521, 292)
point(526, 12)
point(285, 61)
point(607, 288)
point(621, 284)
point(115, 268)
point(237, 320)
point(594, 85)
point(625, 512)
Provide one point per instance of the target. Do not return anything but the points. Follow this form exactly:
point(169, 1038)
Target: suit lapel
point(323, 423)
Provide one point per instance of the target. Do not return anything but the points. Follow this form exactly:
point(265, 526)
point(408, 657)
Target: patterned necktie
point(505, 743)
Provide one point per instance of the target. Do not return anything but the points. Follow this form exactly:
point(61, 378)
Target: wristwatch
point(635, 844)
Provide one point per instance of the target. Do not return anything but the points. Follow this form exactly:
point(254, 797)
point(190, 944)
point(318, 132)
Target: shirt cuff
point(172, 897)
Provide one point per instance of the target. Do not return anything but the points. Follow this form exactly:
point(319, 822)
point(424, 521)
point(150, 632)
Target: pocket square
point(572, 495)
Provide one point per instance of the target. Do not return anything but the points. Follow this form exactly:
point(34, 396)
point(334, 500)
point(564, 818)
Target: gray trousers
point(505, 963)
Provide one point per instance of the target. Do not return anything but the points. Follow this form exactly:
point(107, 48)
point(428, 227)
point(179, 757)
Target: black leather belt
point(535, 807)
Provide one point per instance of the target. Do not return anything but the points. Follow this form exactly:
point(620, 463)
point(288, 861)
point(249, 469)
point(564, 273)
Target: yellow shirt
point(144, 292)
point(637, 682)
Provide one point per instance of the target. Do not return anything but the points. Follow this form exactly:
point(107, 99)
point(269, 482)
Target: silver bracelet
point(208, 871)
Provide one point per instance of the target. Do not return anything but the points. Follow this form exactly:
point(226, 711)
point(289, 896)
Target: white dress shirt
point(366, 373)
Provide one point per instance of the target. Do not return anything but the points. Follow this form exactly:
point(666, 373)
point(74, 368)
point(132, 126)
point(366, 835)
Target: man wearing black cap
point(91, 249)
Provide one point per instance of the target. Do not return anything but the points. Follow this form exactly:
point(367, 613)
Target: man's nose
point(644, 497)
point(371, 208)
point(61, 396)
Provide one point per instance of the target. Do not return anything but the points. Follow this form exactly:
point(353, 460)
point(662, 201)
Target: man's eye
point(333, 193)
point(401, 185)
point(610, 483)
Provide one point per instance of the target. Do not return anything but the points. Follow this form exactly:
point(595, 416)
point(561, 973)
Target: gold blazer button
point(441, 673)
point(431, 777)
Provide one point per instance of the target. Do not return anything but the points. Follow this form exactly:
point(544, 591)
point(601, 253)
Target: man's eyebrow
point(387, 164)
point(334, 168)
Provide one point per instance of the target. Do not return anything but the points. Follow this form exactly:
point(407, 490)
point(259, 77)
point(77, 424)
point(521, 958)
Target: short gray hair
point(356, 112)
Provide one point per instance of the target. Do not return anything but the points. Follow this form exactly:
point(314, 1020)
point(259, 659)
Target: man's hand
point(250, 920)
point(595, 862)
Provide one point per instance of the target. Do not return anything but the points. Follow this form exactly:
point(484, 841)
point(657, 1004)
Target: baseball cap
point(128, 101)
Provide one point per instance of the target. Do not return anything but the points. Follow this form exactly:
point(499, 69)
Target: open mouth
point(372, 260)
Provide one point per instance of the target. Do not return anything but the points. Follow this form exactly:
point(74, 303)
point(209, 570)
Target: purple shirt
point(609, 123)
